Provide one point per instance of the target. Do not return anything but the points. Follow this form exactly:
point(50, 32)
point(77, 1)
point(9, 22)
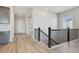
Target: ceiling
point(22, 11)
point(57, 9)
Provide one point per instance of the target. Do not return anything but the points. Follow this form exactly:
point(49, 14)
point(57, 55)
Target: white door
point(20, 26)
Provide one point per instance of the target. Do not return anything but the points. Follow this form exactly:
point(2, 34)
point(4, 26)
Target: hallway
point(23, 44)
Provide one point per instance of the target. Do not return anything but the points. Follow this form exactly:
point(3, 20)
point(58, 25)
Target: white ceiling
point(57, 9)
point(22, 11)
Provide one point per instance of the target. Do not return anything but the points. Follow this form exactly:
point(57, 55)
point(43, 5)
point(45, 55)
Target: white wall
point(44, 19)
point(73, 13)
point(27, 23)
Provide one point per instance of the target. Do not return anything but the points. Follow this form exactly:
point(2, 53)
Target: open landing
point(24, 44)
point(69, 47)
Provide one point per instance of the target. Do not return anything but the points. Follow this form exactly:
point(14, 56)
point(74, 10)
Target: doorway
point(20, 25)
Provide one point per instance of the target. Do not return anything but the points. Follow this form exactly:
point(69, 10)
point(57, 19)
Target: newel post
point(39, 33)
point(68, 34)
point(49, 37)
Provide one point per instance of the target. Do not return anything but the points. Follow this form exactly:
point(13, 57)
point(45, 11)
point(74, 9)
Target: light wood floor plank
point(69, 47)
point(24, 44)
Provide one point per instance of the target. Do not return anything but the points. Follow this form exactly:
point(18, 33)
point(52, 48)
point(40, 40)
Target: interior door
point(20, 26)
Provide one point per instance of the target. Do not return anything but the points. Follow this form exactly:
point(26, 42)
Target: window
point(68, 21)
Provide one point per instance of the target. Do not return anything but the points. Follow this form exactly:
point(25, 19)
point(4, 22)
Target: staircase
point(56, 36)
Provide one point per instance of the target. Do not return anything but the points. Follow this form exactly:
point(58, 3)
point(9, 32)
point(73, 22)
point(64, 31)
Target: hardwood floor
point(24, 44)
point(69, 47)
